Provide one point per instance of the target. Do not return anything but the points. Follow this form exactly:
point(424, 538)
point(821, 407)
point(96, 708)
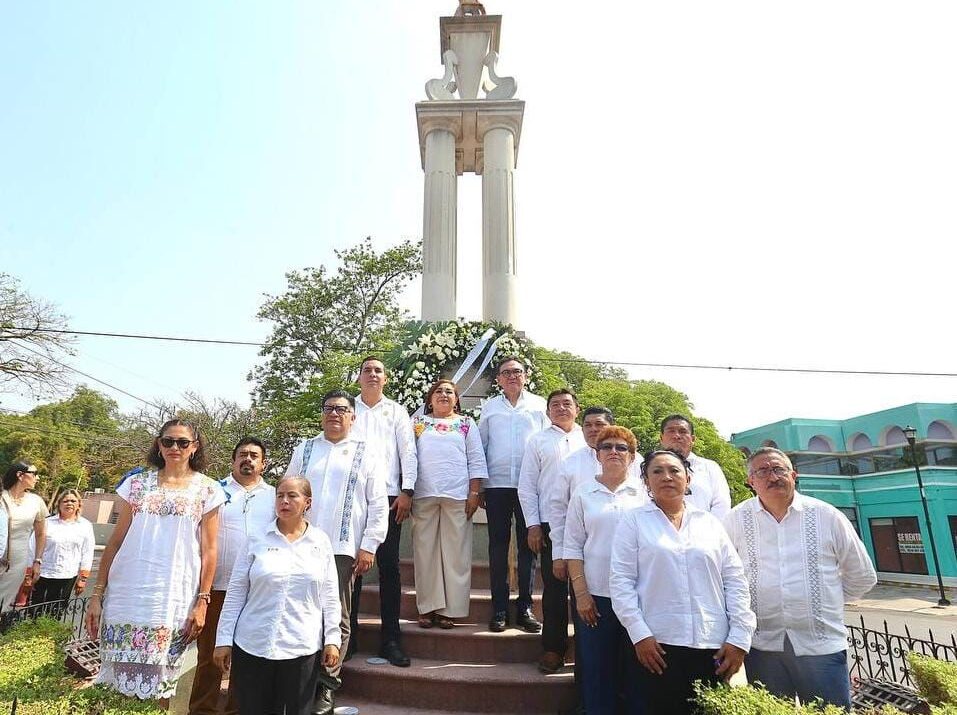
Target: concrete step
point(369, 707)
point(468, 642)
point(480, 606)
point(459, 687)
point(480, 578)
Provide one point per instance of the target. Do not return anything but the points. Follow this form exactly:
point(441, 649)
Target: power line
point(624, 363)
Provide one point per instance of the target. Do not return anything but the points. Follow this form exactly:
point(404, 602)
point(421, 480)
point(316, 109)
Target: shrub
point(936, 679)
point(725, 700)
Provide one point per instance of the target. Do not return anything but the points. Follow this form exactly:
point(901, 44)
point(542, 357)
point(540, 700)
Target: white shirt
point(68, 549)
point(544, 454)
point(593, 515)
point(450, 453)
point(349, 500)
point(801, 572)
point(684, 587)
point(4, 527)
point(283, 598)
point(577, 468)
point(386, 425)
point(709, 486)
point(245, 513)
point(505, 431)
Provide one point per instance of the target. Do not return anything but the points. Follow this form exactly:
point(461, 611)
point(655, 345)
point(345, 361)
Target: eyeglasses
point(181, 442)
point(765, 472)
point(617, 447)
point(29, 471)
point(335, 409)
point(514, 372)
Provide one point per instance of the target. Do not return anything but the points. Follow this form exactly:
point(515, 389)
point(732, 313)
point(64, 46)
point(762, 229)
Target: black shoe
point(499, 622)
point(324, 703)
point(527, 622)
point(393, 653)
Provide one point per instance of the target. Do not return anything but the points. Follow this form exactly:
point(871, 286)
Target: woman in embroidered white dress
point(447, 489)
point(149, 602)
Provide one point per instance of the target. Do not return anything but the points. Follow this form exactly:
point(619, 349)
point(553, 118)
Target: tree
point(325, 316)
point(640, 405)
point(28, 348)
point(560, 368)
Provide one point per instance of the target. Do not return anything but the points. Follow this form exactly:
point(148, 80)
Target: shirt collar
point(349, 438)
point(381, 403)
point(231, 482)
point(630, 485)
point(797, 504)
point(563, 433)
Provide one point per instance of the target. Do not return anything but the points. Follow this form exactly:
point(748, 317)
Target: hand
point(93, 612)
point(482, 499)
point(35, 571)
point(471, 505)
point(330, 656)
point(196, 621)
point(535, 538)
point(586, 609)
point(223, 657)
point(559, 569)
point(80, 587)
point(728, 659)
point(402, 506)
point(363, 563)
point(651, 655)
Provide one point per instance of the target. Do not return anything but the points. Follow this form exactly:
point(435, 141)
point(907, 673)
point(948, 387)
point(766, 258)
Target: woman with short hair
point(68, 554)
point(25, 514)
point(678, 587)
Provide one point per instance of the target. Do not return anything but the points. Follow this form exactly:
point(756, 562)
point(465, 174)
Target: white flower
point(455, 353)
point(420, 365)
point(410, 381)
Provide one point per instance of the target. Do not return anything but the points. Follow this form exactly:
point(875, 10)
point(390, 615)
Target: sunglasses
point(608, 447)
point(182, 442)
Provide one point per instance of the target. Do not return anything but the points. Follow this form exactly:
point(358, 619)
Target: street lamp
point(911, 435)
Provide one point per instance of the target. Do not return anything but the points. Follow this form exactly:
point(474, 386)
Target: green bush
point(935, 679)
point(725, 700)
point(31, 668)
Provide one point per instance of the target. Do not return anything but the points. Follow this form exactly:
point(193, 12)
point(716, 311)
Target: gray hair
point(764, 451)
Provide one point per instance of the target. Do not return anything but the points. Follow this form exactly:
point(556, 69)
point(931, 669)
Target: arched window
point(745, 451)
point(860, 442)
point(819, 443)
point(769, 443)
point(940, 430)
point(894, 435)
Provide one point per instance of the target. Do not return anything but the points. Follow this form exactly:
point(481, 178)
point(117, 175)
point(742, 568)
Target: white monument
point(459, 132)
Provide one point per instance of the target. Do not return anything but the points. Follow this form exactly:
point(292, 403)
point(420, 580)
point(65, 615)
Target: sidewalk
point(907, 599)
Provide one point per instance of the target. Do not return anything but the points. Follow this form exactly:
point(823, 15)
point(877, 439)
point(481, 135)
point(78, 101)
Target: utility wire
point(625, 363)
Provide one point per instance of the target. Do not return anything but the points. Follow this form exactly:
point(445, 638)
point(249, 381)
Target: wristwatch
point(408, 492)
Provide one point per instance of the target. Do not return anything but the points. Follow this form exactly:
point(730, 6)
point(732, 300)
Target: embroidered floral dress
point(152, 586)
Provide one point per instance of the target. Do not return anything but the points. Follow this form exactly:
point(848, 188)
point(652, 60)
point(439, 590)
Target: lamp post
point(911, 435)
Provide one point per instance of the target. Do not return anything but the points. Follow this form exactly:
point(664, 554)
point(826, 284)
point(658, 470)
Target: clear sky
point(735, 183)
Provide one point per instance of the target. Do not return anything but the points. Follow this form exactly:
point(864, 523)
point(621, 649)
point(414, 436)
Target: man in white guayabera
point(803, 561)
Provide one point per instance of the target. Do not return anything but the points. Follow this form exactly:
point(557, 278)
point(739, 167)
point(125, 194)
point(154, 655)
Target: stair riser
point(480, 576)
point(480, 609)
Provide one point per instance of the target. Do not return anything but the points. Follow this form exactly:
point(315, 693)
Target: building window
point(898, 545)
point(952, 520)
point(851, 514)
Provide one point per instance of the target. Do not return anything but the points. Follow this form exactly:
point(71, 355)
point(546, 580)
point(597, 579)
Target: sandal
point(426, 620)
point(444, 622)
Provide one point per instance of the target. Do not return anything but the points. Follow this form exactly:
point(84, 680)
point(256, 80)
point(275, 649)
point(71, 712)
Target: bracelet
point(38, 561)
point(575, 578)
point(204, 596)
point(475, 494)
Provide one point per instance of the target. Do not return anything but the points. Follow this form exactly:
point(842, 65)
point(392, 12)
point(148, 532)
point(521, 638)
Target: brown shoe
point(551, 663)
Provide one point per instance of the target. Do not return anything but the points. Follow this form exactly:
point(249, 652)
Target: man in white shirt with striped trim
point(803, 561)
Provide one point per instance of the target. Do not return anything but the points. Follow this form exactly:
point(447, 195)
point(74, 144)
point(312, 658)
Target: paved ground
point(913, 606)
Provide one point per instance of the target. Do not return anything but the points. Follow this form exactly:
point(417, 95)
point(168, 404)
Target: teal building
point(864, 467)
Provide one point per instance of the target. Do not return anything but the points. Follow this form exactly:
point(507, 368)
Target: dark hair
point(333, 394)
point(651, 454)
point(367, 358)
point(618, 432)
point(561, 391)
point(509, 358)
point(255, 441)
point(604, 411)
point(10, 476)
point(435, 386)
point(197, 462)
point(676, 418)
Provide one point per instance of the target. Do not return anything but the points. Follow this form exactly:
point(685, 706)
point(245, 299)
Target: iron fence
point(72, 613)
point(883, 655)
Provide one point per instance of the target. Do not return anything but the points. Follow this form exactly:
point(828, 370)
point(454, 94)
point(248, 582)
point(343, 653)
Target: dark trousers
point(672, 692)
point(501, 505)
point(208, 680)
point(609, 668)
point(274, 687)
point(554, 602)
point(808, 676)
point(390, 586)
point(329, 677)
point(47, 590)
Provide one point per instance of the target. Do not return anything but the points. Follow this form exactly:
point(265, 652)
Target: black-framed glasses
point(29, 471)
point(514, 372)
point(335, 409)
point(765, 472)
point(180, 442)
point(616, 446)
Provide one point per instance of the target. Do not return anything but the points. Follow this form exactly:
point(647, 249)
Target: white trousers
point(442, 556)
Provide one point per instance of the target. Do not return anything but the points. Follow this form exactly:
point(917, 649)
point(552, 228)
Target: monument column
point(439, 226)
point(499, 268)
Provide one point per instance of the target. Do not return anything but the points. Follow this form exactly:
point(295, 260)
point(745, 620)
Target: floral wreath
point(429, 351)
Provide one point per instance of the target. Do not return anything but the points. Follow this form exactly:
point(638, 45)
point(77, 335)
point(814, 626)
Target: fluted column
point(499, 268)
point(439, 227)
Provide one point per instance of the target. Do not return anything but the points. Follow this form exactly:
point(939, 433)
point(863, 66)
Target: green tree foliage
point(560, 368)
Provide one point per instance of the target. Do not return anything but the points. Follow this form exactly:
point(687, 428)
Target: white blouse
point(593, 515)
point(685, 587)
point(283, 598)
point(450, 453)
point(68, 549)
